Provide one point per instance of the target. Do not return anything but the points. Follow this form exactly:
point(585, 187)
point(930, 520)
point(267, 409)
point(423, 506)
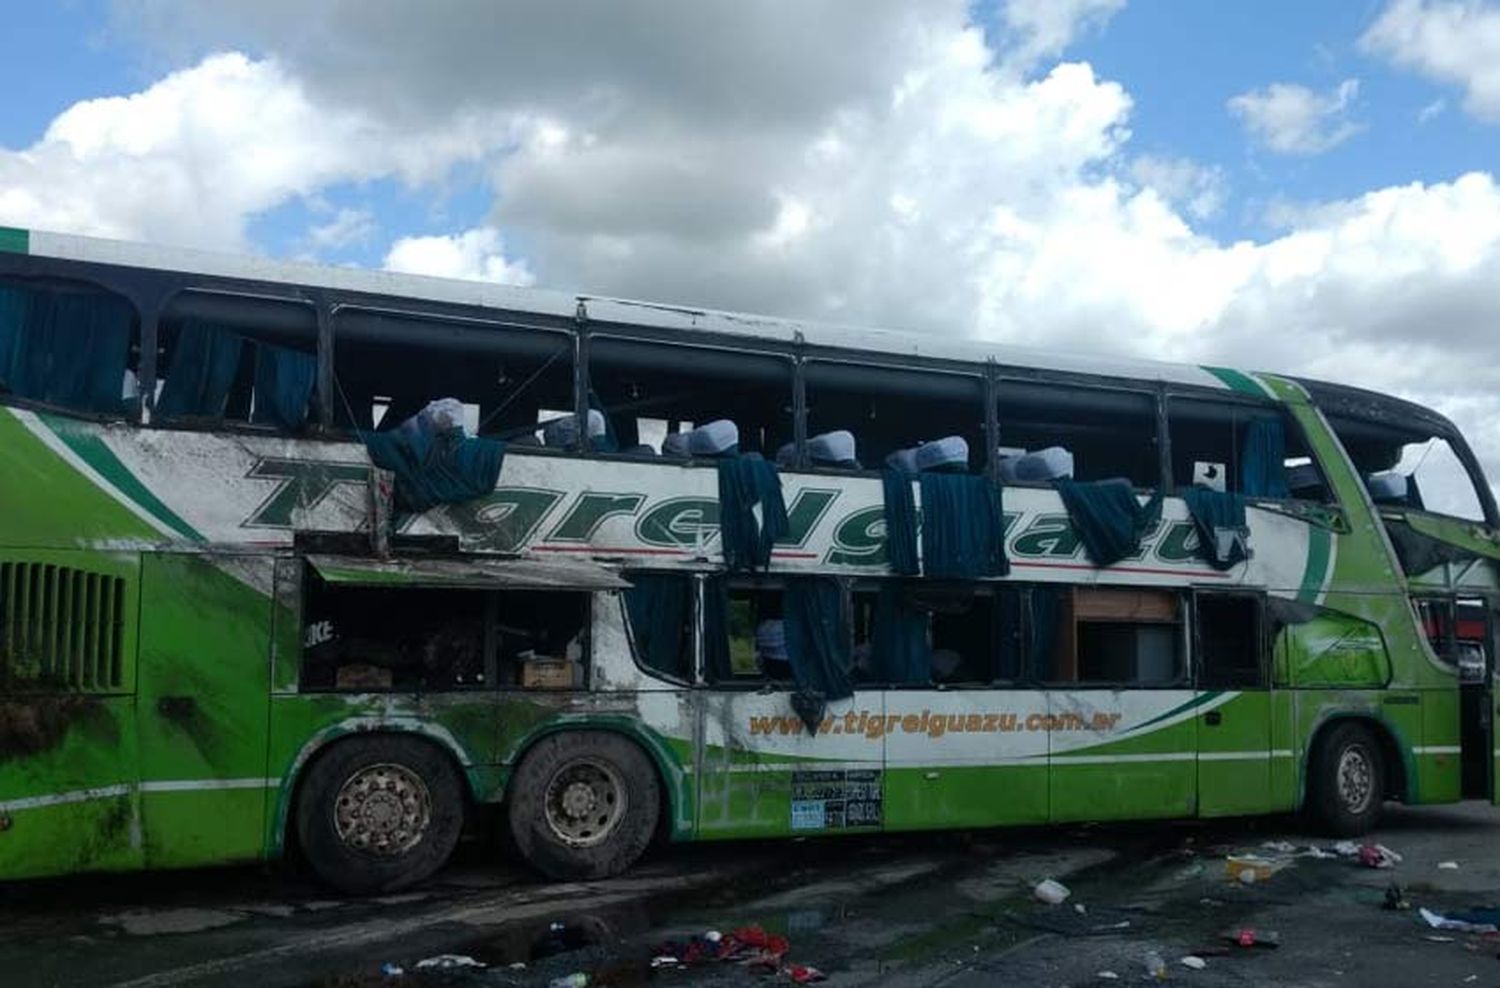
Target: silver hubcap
point(1355, 780)
point(383, 810)
point(584, 802)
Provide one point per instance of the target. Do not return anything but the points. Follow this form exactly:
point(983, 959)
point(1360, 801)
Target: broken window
point(1434, 479)
point(744, 630)
point(541, 638)
point(885, 409)
point(1231, 644)
point(700, 401)
point(1052, 430)
point(1115, 637)
point(389, 365)
point(659, 607)
point(230, 358)
point(70, 345)
point(1241, 448)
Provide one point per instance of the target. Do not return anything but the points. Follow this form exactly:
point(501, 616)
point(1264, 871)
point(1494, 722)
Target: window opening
point(859, 415)
point(1082, 433)
point(1230, 641)
point(714, 401)
point(660, 609)
point(1254, 450)
point(69, 345)
point(1129, 637)
point(1410, 467)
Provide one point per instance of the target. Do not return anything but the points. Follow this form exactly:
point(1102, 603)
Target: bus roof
point(553, 303)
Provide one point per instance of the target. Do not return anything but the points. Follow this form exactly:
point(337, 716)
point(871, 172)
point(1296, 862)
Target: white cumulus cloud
point(1293, 119)
point(1449, 41)
point(477, 254)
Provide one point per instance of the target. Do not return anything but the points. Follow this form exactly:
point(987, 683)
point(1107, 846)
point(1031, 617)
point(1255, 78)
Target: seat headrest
point(1039, 466)
point(947, 452)
point(1387, 486)
point(720, 437)
point(675, 444)
point(1303, 477)
point(833, 449)
point(563, 432)
point(770, 639)
point(787, 455)
point(904, 460)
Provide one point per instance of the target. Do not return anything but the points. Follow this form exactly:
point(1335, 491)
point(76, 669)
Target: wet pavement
point(951, 909)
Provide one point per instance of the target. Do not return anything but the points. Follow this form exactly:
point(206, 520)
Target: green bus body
point(160, 573)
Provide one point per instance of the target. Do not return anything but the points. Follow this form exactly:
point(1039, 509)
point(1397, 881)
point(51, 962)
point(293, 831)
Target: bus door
point(761, 771)
point(68, 797)
point(1122, 731)
point(965, 747)
point(1234, 704)
point(205, 669)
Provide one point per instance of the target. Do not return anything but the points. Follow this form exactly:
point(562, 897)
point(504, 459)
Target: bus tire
point(583, 804)
point(1347, 780)
point(379, 813)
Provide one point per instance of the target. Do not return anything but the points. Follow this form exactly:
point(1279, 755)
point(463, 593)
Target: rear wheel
point(1347, 780)
point(380, 813)
point(583, 804)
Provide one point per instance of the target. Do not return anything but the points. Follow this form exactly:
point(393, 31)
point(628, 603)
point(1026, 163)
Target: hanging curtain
point(1107, 517)
point(433, 469)
point(204, 361)
point(963, 527)
point(900, 521)
point(283, 386)
point(716, 660)
point(744, 482)
point(1219, 522)
point(1263, 459)
point(1042, 646)
point(659, 605)
point(899, 649)
point(817, 636)
point(65, 348)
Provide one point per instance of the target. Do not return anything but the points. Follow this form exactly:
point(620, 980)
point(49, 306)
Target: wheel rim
point(383, 810)
point(1356, 779)
point(584, 802)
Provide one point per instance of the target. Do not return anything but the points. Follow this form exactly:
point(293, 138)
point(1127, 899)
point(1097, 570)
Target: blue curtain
point(436, 469)
point(1219, 521)
point(899, 649)
point(817, 636)
point(659, 605)
point(1107, 517)
point(283, 386)
point(963, 527)
point(745, 481)
point(1042, 644)
point(1263, 459)
point(67, 349)
point(204, 362)
point(900, 521)
point(716, 661)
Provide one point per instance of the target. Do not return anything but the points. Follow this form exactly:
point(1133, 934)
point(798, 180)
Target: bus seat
point(720, 437)
point(1387, 487)
point(1303, 481)
point(562, 433)
point(950, 453)
point(833, 449)
point(525, 439)
point(786, 456)
point(770, 642)
point(1038, 466)
point(904, 460)
point(675, 445)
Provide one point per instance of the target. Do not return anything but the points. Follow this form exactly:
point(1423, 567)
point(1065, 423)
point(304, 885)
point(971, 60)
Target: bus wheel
point(379, 813)
point(583, 804)
point(1347, 780)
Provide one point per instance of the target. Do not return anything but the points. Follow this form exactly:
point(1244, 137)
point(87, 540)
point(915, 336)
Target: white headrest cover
point(713, 438)
point(786, 455)
point(770, 639)
point(675, 444)
point(948, 451)
point(832, 447)
point(904, 460)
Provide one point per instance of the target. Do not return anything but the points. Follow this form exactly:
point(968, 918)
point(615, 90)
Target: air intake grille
point(60, 627)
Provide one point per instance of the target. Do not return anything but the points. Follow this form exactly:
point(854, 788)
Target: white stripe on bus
point(123, 789)
point(1437, 749)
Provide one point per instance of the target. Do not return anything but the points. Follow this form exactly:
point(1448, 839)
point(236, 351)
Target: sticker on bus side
point(835, 800)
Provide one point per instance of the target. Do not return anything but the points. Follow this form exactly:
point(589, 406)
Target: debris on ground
point(749, 946)
point(1249, 936)
point(1155, 966)
point(392, 970)
point(804, 974)
point(575, 980)
point(448, 962)
point(1378, 856)
point(1434, 938)
point(1448, 865)
point(1395, 899)
point(1248, 869)
point(1051, 892)
point(1470, 921)
point(1107, 976)
point(1193, 961)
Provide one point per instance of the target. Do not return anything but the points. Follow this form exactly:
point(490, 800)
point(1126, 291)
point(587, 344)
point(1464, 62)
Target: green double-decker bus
point(344, 564)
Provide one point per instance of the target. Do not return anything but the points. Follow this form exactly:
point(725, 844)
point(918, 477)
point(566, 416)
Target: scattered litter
point(1479, 921)
point(1194, 962)
point(1395, 899)
point(447, 962)
point(575, 980)
point(664, 960)
point(556, 928)
point(1378, 856)
point(713, 936)
point(1080, 908)
point(1472, 977)
point(518, 966)
point(1435, 938)
point(1346, 849)
point(1107, 976)
point(749, 945)
point(1155, 966)
point(1249, 936)
point(1123, 924)
point(803, 974)
point(1051, 892)
point(392, 970)
point(1248, 869)
point(1448, 865)
point(1280, 846)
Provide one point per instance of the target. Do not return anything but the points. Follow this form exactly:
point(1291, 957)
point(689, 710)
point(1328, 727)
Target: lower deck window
point(1129, 637)
point(386, 639)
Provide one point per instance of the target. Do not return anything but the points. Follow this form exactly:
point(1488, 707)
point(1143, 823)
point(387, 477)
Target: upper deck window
point(229, 358)
point(69, 345)
point(885, 409)
point(1059, 430)
point(388, 366)
point(1254, 450)
point(654, 395)
point(1411, 466)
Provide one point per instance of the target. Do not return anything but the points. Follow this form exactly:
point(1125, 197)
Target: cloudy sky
point(1277, 184)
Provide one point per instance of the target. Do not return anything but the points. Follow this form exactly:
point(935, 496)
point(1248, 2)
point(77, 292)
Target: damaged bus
point(338, 564)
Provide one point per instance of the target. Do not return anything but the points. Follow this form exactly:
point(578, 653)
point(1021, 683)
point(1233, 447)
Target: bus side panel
point(1440, 757)
point(1286, 751)
point(1147, 765)
point(204, 702)
point(964, 758)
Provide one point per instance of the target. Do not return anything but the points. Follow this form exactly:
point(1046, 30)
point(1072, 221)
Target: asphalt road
point(952, 909)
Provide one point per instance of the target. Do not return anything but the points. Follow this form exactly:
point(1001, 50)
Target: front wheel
point(583, 804)
point(380, 813)
point(1347, 781)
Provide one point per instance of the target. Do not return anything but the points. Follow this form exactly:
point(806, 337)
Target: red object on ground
point(802, 974)
point(1247, 938)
